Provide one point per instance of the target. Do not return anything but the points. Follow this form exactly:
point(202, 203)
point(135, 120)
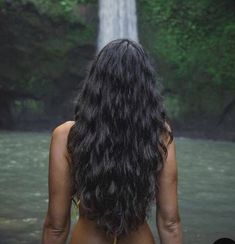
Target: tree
point(192, 42)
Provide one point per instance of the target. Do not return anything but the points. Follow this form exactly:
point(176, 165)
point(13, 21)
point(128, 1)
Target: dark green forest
point(46, 45)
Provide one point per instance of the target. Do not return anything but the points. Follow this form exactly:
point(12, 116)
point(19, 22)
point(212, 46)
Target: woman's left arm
point(57, 222)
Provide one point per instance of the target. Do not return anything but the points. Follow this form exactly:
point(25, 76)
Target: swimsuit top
point(115, 238)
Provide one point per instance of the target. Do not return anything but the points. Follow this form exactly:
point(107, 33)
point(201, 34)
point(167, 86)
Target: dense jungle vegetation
point(45, 47)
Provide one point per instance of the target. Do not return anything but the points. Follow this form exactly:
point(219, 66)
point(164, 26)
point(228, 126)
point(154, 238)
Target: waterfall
point(117, 19)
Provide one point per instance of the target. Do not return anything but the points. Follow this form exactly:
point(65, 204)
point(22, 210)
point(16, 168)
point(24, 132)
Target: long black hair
point(116, 144)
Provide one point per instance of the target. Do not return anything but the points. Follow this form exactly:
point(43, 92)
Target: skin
point(57, 220)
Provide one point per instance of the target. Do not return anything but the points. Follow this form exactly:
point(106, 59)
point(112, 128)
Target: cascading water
point(117, 19)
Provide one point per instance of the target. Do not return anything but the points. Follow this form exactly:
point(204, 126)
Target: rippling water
point(206, 188)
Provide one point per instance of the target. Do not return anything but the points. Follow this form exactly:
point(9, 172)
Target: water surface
point(206, 188)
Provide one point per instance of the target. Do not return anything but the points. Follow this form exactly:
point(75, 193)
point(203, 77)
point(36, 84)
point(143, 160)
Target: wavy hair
point(116, 144)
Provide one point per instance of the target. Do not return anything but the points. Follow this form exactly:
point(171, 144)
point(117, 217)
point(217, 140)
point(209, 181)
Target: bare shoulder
point(60, 136)
point(62, 130)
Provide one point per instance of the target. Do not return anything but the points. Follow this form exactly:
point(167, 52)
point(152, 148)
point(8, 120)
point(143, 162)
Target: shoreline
point(192, 134)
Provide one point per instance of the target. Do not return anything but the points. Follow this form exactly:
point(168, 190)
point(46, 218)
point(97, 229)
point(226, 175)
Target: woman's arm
point(167, 216)
point(57, 222)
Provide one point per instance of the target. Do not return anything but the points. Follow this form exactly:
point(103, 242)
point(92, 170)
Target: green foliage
point(174, 106)
point(30, 105)
point(193, 43)
point(2, 2)
point(67, 9)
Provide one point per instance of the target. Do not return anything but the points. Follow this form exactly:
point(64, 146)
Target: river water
point(206, 188)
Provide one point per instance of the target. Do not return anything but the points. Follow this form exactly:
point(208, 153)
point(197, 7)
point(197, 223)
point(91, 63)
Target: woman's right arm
point(167, 216)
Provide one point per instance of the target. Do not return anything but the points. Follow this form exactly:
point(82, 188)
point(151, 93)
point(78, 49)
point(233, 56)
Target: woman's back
point(57, 221)
point(85, 231)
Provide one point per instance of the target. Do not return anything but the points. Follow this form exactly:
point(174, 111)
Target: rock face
point(117, 19)
point(43, 60)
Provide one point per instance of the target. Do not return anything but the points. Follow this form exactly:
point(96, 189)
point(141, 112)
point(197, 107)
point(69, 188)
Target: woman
point(116, 158)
